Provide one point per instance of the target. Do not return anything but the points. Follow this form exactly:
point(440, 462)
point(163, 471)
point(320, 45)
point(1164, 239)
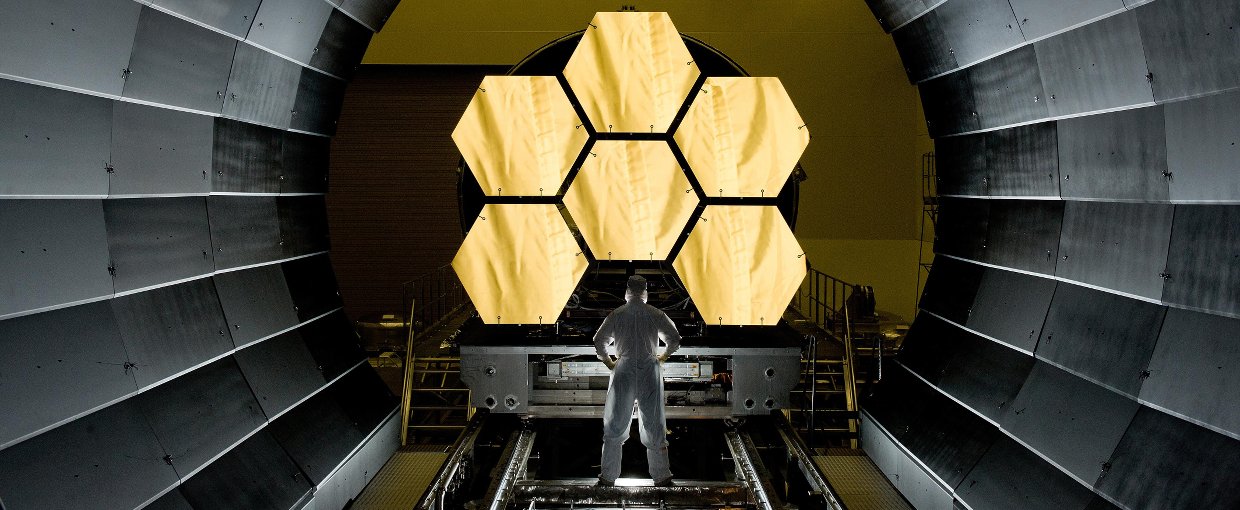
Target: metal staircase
point(435, 402)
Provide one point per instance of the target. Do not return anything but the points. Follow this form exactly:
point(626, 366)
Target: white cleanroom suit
point(637, 375)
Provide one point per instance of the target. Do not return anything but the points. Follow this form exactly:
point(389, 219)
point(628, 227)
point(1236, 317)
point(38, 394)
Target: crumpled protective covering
point(519, 263)
point(742, 137)
point(630, 200)
point(741, 265)
point(631, 71)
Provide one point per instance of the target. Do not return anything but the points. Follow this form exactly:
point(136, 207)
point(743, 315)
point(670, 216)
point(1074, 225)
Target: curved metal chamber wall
point(169, 319)
point(1077, 342)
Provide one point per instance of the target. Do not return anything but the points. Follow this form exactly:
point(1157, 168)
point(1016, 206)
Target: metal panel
point(1120, 155)
point(159, 151)
point(1202, 260)
point(170, 329)
point(303, 224)
point(317, 434)
point(1023, 161)
point(178, 63)
point(173, 500)
point(52, 142)
point(256, 303)
point(305, 163)
point(962, 227)
point(318, 103)
point(75, 44)
point(341, 46)
point(1195, 365)
point(1024, 234)
point(262, 87)
point(366, 399)
point(199, 415)
point(247, 158)
point(333, 343)
point(1007, 89)
point(360, 469)
point(979, 29)
point(1074, 422)
point(900, 400)
point(157, 240)
point(244, 230)
point(1159, 449)
point(232, 16)
point(290, 27)
point(949, 439)
point(58, 364)
point(1191, 46)
point(1103, 336)
point(109, 456)
point(924, 48)
point(960, 165)
point(257, 474)
point(982, 374)
point(1121, 246)
point(1203, 146)
point(312, 284)
point(1011, 476)
point(1011, 307)
point(950, 289)
point(374, 13)
point(280, 371)
point(1040, 18)
point(892, 13)
point(949, 104)
point(56, 252)
point(1095, 67)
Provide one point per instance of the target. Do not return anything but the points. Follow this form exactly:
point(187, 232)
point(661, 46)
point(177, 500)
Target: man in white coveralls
point(637, 375)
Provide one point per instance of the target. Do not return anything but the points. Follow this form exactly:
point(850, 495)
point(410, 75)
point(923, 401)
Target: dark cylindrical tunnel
point(1076, 345)
point(172, 335)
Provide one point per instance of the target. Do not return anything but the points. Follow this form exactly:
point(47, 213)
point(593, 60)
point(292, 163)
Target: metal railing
point(829, 303)
point(431, 298)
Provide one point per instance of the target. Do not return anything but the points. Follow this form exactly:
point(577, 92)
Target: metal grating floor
point(859, 482)
point(401, 482)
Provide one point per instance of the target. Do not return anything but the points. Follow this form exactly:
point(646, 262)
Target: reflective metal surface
point(171, 329)
point(84, 45)
point(1190, 46)
point(261, 88)
point(244, 230)
point(1011, 307)
point(340, 48)
point(246, 157)
point(290, 27)
point(52, 142)
point(1024, 234)
point(1202, 148)
point(1116, 156)
point(280, 371)
point(373, 13)
point(1189, 368)
point(178, 63)
point(158, 240)
point(1010, 476)
point(1116, 245)
point(56, 252)
point(159, 151)
point(259, 473)
point(232, 16)
point(1204, 240)
point(256, 303)
point(1098, 66)
point(1040, 18)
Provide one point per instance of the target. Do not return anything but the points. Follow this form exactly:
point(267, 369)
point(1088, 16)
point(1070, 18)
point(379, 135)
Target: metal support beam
point(749, 468)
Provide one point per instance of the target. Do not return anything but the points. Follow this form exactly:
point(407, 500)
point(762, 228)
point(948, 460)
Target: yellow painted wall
point(860, 208)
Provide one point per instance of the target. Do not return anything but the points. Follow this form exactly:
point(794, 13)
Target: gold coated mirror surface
point(742, 137)
point(519, 263)
point(630, 200)
point(741, 265)
point(631, 71)
point(520, 135)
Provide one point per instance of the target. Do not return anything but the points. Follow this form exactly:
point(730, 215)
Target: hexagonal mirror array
point(742, 137)
point(519, 263)
point(519, 135)
point(631, 72)
point(630, 200)
point(741, 264)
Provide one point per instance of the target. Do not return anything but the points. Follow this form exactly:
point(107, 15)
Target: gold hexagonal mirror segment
point(520, 135)
point(741, 265)
point(631, 72)
point(630, 200)
point(519, 263)
point(742, 137)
